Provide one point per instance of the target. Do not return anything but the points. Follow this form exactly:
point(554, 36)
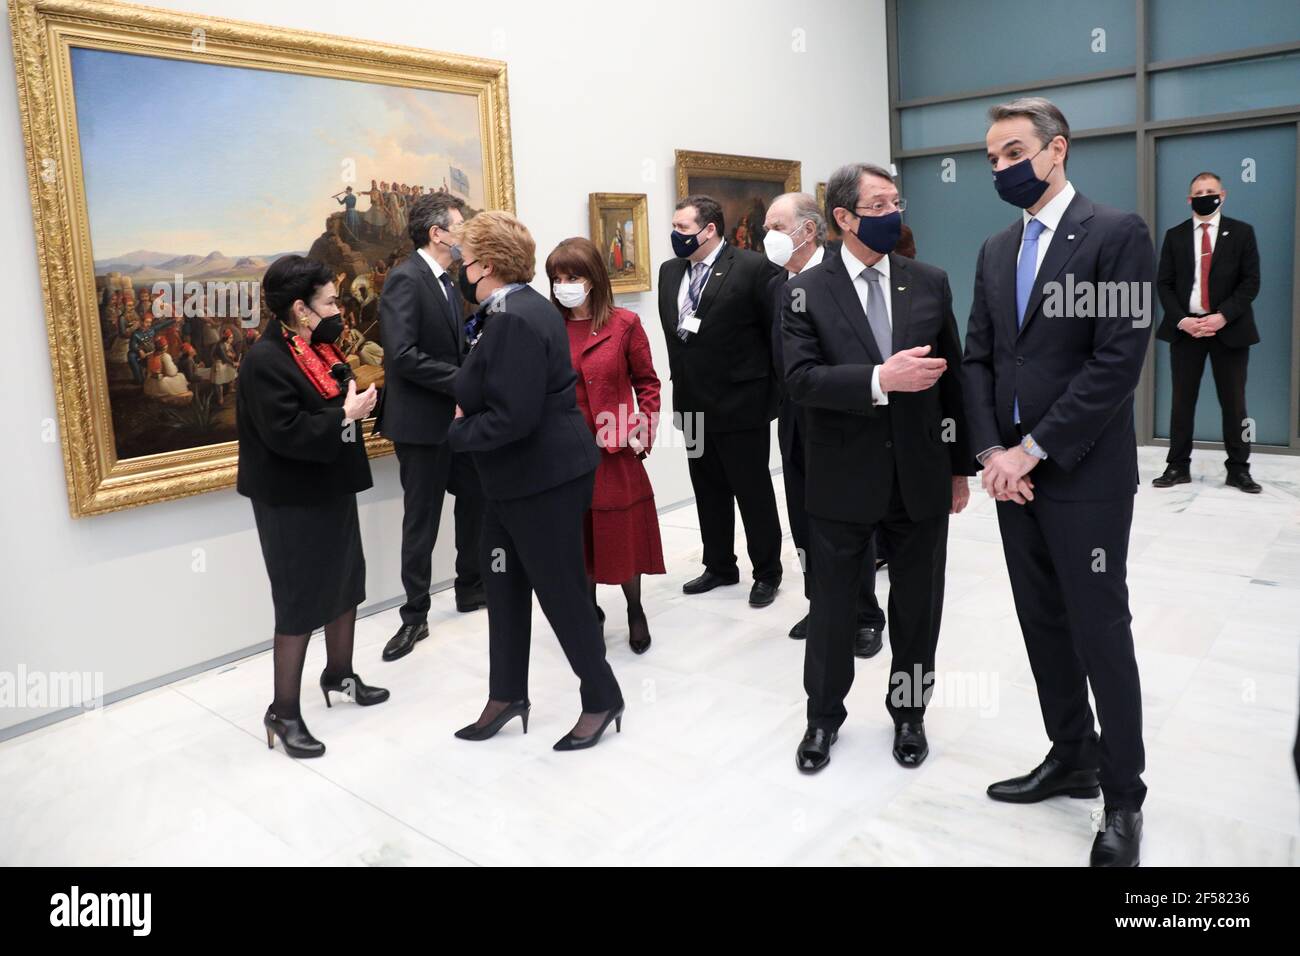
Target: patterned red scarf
point(315, 362)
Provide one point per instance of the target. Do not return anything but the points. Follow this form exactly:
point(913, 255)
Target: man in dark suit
point(1049, 393)
point(421, 325)
point(873, 359)
point(794, 242)
point(717, 320)
point(1209, 275)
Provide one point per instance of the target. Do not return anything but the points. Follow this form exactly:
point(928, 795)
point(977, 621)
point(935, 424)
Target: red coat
point(621, 396)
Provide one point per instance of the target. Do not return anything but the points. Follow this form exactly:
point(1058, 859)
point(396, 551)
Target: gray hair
point(431, 209)
point(1049, 122)
point(805, 210)
point(844, 186)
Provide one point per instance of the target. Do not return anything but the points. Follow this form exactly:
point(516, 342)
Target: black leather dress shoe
point(707, 582)
point(1172, 476)
point(814, 751)
point(868, 641)
point(1051, 778)
point(470, 599)
point(762, 593)
point(352, 686)
point(403, 642)
point(1118, 841)
point(800, 630)
point(1242, 480)
point(910, 747)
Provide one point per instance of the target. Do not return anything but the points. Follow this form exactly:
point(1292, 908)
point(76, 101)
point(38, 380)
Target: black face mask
point(1206, 205)
point(468, 289)
point(328, 329)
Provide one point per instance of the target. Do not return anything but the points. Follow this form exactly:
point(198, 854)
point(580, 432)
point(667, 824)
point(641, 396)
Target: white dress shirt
point(684, 292)
point(855, 269)
point(437, 268)
point(814, 260)
point(1195, 301)
point(1050, 216)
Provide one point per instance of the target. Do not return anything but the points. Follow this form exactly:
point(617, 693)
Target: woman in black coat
point(302, 460)
point(517, 415)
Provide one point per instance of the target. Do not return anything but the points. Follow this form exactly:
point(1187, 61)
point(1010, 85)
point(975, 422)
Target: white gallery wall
point(600, 97)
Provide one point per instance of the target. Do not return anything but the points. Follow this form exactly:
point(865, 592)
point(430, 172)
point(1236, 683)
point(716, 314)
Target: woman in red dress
point(611, 355)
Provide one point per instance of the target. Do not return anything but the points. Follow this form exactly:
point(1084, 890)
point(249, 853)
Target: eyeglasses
point(880, 208)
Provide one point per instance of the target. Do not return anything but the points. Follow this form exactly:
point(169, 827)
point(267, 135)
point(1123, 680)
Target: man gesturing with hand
point(873, 359)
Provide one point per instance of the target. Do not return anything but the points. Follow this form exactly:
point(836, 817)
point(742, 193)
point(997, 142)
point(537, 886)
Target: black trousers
point(464, 484)
point(534, 544)
point(795, 478)
point(730, 470)
point(1068, 564)
point(919, 554)
point(1186, 366)
point(425, 472)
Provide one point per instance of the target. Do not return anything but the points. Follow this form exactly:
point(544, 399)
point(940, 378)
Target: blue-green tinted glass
point(1179, 28)
point(1085, 105)
point(1226, 87)
point(947, 47)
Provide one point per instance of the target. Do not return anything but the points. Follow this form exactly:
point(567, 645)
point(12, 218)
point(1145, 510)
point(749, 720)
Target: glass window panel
point(946, 47)
point(1179, 28)
point(1226, 87)
point(1085, 105)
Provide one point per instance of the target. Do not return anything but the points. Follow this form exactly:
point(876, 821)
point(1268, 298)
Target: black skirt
point(314, 560)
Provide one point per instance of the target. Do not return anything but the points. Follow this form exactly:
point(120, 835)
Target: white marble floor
point(704, 770)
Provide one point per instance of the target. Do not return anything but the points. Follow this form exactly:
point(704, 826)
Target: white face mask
point(780, 247)
point(570, 294)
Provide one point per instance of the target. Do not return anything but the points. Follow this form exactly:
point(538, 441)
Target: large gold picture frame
point(620, 229)
point(743, 185)
point(45, 33)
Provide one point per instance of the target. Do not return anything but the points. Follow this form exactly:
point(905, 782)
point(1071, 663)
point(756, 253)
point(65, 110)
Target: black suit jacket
point(725, 370)
point(423, 336)
point(789, 422)
point(518, 391)
point(1234, 280)
point(293, 448)
point(851, 446)
point(1075, 375)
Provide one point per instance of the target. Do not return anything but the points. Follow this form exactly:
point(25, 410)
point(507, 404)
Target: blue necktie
point(1026, 270)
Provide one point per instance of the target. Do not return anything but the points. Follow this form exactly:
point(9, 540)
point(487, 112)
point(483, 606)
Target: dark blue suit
point(1067, 550)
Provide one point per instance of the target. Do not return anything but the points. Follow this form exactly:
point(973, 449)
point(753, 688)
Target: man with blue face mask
point(873, 359)
point(1049, 392)
point(716, 312)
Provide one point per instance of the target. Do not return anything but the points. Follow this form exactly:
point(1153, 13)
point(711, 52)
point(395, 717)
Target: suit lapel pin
point(902, 288)
point(1224, 233)
point(1070, 236)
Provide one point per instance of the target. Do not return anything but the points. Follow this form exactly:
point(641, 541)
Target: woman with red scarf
point(302, 460)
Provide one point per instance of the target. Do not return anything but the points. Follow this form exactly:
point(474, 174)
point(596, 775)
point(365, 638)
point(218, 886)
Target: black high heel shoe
point(518, 708)
point(294, 735)
point(570, 742)
point(353, 686)
point(638, 637)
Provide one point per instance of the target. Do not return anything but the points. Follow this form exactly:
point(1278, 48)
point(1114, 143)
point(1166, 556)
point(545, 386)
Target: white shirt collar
point(1050, 215)
point(1213, 221)
point(437, 268)
point(818, 254)
point(855, 266)
point(712, 257)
